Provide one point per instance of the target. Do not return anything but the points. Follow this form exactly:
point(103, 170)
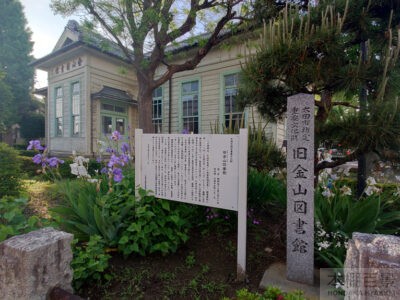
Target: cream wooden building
point(92, 91)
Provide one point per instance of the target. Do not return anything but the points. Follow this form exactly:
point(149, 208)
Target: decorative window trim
point(157, 121)
point(73, 113)
point(56, 115)
point(222, 112)
point(180, 106)
point(114, 115)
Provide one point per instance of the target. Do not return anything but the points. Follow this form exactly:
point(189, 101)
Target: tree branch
point(92, 11)
point(213, 40)
point(325, 164)
point(345, 104)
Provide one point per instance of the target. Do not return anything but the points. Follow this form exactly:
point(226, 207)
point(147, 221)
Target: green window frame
point(58, 100)
point(232, 117)
point(157, 109)
point(114, 117)
point(190, 106)
point(75, 108)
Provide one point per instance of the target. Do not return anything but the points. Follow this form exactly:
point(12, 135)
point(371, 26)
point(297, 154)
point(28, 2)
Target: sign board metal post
point(202, 169)
point(242, 206)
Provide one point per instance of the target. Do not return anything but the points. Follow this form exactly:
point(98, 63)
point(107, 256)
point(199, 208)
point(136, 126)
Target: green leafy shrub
point(12, 219)
point(10, 173)
point(27, 166)
point(266, 192)
point(93, 168)
point(65, 169)
point(271, 293)
point(27, 153)
point(140, 226)
point(89, 261)
point(263, 153)
point(157, 226)
point(339, 214)
point(86, 211)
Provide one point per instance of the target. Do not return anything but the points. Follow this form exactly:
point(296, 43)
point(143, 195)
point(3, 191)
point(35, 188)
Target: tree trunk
point(325, 106)
point(145, 98)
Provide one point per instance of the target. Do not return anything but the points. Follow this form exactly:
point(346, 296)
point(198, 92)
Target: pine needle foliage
point(318, 52)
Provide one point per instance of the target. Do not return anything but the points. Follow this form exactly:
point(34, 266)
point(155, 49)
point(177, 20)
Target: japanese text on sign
point(200, 169)
point(300, 187)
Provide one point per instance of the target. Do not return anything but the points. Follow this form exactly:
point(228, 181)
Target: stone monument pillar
point(372, 267)
point(300, 188)
point(32, 264)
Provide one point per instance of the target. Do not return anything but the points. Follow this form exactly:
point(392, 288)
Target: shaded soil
point(203, 268)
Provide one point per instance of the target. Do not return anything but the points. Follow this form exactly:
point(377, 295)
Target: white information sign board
point(202, 169)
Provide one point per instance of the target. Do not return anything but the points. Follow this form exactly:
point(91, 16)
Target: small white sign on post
point(202, 169)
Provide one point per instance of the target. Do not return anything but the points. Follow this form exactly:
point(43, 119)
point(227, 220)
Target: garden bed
point(203, 268)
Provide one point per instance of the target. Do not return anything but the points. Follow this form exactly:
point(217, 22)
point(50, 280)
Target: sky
point(46, 28)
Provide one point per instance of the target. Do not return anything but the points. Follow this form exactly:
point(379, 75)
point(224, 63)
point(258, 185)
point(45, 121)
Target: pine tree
point(319, 52)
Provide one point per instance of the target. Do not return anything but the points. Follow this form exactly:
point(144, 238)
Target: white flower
point(102, 146)
point(397, 192)
point(346, 171)
point(82, 172)
point(80, 160)
point(345, 190)
point(74, 169)
point(338, 245)
point(323, 245)
point(370, 190)
point(92, 180)
point(370, 181)
point(327, 193)
point(334, 177)
point(321, 232)
point(79, 170)
point(397, 177)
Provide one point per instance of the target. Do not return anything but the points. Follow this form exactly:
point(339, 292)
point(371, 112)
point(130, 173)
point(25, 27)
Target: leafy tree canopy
point(319, 52)
point(6, 99)
point(147, 31)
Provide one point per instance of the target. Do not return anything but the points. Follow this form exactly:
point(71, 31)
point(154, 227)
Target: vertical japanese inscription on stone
point(300, 188)
point(199, 169)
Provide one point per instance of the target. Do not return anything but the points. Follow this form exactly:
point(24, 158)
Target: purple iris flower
point(98, 159)
point(125, 147)
point(34, 145)
point(185, 131)
point(117, 174)
point(37, 159)
point(104, 170)
point(114, 160)
point(54, 162)
point(110, 150)
point(115, 136)
point(124, 159)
